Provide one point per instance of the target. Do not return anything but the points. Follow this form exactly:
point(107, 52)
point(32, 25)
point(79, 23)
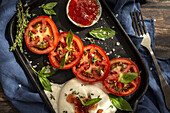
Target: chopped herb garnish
point(119, 89)
point(92, 94)
point(52, 97)
point(98, 70)
point(90, 39)
point(88, 63)
point(64, 111)
point(74, 92)
point(85, 52)
point(93, 60)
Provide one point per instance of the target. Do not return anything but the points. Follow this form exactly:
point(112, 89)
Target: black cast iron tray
point(125, 49)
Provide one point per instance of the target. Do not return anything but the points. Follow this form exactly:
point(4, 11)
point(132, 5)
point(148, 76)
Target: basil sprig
point(69, 41)
point(120, 103)
point(42, 77)
point(48, 8)
point(128, 77)
point(90, 101)
point(102, 33)
point(64, 60)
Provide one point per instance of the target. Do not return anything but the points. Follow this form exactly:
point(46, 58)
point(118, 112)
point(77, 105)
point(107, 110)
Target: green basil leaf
point(49, 11)
point(43, 70)
point(64, 60)
point(102, 33)
point(50, 5)
point(42, 77)
point(45, 83)
point(120, 103)
point(128, 77)
point(69, 39)
point(90, 101)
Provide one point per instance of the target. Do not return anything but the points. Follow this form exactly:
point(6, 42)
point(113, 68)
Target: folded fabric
point(16, 85)
point(153, 100)
point(24, 96)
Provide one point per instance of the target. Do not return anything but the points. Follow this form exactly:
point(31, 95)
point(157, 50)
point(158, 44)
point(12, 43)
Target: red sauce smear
point(83, 11)
point(79, 108)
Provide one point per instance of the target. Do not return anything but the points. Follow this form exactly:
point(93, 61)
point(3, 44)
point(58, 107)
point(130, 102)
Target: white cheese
point(56, 91)
point(84, 89)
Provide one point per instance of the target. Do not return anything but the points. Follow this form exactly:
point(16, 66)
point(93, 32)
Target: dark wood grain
point(157, 9)
point(160, 11)
point(5, 105)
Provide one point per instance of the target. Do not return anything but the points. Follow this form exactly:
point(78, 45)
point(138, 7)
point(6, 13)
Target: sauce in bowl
point(84, 13)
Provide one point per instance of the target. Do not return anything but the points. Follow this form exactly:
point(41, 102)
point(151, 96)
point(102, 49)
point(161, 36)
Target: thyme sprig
point(22, 22)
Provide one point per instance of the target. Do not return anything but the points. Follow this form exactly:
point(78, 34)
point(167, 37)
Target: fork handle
point(164, 85)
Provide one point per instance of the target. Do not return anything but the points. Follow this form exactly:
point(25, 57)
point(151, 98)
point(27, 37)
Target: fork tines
point(136, 22)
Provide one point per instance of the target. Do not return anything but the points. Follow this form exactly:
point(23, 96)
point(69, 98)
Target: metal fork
point(146, 42)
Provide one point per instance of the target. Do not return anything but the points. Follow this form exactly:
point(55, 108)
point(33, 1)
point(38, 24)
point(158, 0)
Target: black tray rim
point(27, 67)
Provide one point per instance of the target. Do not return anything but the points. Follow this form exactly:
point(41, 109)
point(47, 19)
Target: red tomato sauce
point(83, 11)
point(79, 108)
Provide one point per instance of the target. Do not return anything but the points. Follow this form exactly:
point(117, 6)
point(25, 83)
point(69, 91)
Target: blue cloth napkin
point(24, 96)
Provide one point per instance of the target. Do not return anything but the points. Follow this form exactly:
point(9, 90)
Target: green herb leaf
point(52, 97)
point(22, 22)
point(69, 39)
point(52, 71)
point(43, 70)
point(90, 101)
point(102, 33)
point(93, 60)
point(45, 83)
point(42, 77)
point(128, 77)
point(98, 71)
point(49, 11)
point(48, 8)
point(64, 60)
point(50, 5)
point(120, 103)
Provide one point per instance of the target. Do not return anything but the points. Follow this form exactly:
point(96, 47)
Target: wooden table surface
point(157, 9)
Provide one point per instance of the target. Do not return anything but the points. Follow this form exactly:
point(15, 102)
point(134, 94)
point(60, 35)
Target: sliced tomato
point(118, 67)
point(94, 65)
point(73, 58)
point(41, 35)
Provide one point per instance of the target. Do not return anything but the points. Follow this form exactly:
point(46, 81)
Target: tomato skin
point(45, 22)
point(113, 77)
point(78, 54)
point(84, 61)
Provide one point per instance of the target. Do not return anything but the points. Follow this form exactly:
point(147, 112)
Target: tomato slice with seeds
point(94, 65)
point(41, 35)
point(118, 67)
point(73, 58)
